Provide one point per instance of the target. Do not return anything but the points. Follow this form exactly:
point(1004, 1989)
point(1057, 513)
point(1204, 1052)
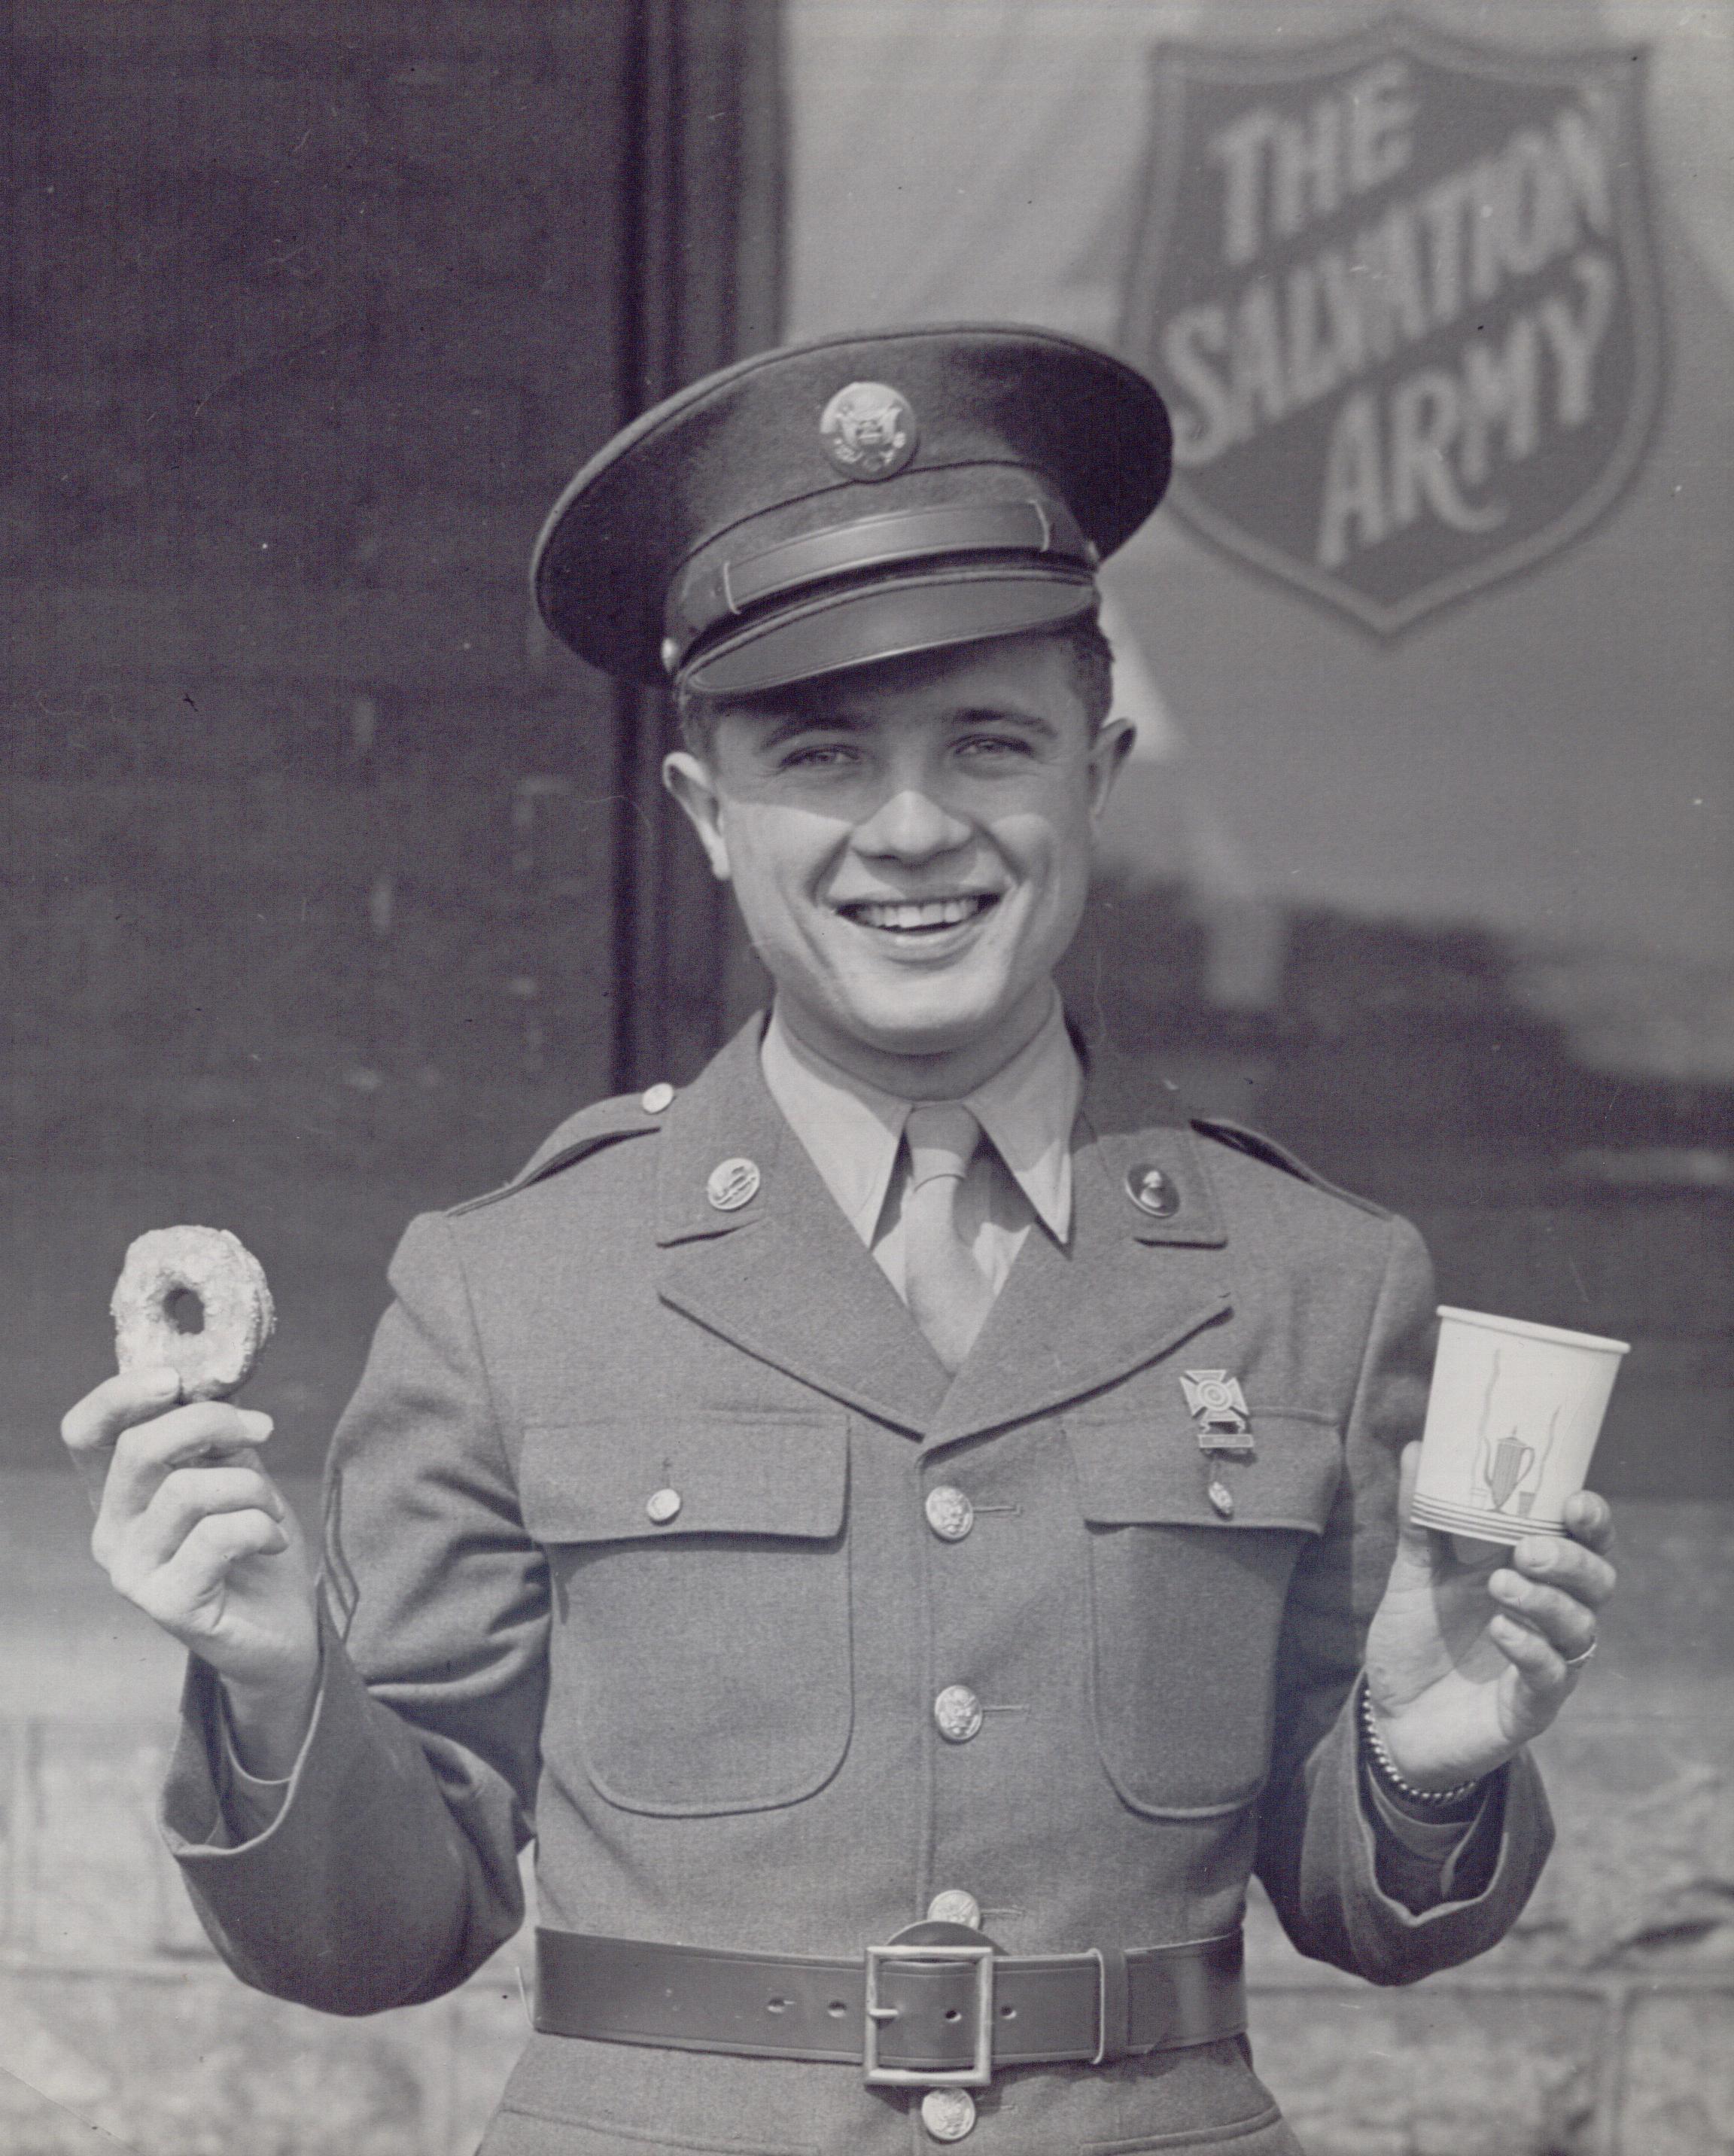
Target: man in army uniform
point(907, 1529)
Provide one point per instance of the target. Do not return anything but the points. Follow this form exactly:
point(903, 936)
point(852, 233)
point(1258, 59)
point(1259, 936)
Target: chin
point(936, 1030)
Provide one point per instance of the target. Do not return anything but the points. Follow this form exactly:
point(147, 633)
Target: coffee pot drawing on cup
point(1507, 1467)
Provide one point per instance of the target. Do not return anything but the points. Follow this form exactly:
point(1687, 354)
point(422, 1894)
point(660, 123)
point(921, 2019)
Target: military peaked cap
point(850, 498)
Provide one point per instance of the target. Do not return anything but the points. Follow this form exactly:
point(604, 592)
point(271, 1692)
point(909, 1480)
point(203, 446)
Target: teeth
point(929, 913)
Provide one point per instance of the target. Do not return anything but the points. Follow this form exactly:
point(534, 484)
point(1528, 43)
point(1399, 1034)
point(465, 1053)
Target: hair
point(1087, 647)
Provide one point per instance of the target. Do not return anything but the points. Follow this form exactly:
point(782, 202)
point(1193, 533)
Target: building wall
point(307, 854)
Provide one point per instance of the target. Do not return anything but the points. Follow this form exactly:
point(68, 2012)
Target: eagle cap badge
point(868, 430)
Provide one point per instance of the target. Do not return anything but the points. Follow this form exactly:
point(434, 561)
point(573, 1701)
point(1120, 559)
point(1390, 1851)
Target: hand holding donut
point(190, 1529)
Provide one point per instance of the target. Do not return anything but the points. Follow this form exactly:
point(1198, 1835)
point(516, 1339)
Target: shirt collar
point(1028, 1110)
point(851, 1130)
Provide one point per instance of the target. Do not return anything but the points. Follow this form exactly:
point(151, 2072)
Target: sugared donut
point(229, 1282)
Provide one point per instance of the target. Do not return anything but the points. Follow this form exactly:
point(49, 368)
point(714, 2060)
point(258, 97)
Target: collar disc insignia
point(732, 1184)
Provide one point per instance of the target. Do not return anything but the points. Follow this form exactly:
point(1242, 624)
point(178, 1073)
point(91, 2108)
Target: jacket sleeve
point(389, 1872)
point(1319, 1838)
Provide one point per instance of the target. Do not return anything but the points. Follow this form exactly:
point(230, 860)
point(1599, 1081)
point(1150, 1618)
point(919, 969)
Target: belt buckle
point(979, 2072)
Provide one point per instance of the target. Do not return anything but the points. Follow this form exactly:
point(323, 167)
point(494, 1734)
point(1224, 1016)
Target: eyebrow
point(842, 719)
point(996, 715)
point(811, 722)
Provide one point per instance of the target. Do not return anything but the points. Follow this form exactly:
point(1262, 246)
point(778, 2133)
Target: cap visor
point(887, 621)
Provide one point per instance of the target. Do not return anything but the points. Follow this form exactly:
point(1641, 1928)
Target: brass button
point(655, 1098)
point(950, 1513)
point(954, 1907)
point(661, 1506)
point(1151, 1191)
point(958, 1713)
point(1221, 1498)
point(948, 2113)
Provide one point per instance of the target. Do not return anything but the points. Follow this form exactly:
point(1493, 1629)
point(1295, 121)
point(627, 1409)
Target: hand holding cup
point(1503, 1557)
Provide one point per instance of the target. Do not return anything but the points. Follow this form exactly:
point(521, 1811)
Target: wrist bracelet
point(1387, 1771)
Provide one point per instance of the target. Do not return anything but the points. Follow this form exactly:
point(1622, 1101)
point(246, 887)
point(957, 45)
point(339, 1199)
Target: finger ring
point(1577, 1661)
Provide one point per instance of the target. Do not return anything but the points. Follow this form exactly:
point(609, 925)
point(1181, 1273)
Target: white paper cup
point(1512, 1420)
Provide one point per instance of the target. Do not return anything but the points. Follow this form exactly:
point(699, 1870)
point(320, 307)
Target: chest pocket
point(1187, 1599)
point(700, 1655)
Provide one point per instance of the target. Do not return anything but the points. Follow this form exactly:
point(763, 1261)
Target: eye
point(818, 755)
point(987, 748)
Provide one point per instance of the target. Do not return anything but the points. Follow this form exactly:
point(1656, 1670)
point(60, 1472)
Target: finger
point(90, 1429)
point(1475, 1555)
point(185, 1496)
point(1568, 1566)
point(1543, 1680)
point(1561, 1619)
point(1589, 1519)
point(1420, 1546)
point(186, 1593)
point(202, 1432)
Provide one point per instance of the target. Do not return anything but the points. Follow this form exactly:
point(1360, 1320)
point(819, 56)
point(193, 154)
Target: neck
point(946, 1075)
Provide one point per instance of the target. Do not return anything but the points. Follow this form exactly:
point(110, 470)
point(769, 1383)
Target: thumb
point(1420, 1550)
point(1417, 1546)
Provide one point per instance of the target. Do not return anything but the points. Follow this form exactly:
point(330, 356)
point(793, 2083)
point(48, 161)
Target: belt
point(938, 2005)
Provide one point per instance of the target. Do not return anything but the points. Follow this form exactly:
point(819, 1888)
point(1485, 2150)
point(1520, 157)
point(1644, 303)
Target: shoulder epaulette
point(601, 1123)
point(1257, 1147)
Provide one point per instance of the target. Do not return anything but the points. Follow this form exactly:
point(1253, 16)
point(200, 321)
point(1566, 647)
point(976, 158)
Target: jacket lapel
point(1129, 1286)
point(783, 1276)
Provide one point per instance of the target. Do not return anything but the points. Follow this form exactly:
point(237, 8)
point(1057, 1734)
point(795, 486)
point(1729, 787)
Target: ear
point(690, 779)
point(1108, 753)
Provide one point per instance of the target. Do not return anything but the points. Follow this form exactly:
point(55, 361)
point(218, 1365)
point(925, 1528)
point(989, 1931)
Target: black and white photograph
point(867, 1180)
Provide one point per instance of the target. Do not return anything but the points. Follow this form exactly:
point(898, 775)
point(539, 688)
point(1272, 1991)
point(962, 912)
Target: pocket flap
point(1150, 1469)
point(732, 1475)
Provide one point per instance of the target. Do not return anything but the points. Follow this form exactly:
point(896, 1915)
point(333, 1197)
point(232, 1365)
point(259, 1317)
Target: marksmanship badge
point(869, 431)
point(1400, 295)
point(1216, 1403)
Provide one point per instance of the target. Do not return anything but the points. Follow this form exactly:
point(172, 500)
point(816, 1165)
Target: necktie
point(949, 1295)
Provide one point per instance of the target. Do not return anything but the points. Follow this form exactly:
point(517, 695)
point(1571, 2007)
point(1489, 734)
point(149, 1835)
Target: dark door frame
point(702, 284)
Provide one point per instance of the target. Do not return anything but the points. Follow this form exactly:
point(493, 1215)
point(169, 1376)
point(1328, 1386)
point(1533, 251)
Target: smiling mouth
point(904, 915)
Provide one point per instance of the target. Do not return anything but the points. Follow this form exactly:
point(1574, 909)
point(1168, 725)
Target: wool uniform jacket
point(720, 1727)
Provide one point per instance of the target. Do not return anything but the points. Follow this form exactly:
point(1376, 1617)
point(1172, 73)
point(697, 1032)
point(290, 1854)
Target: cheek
point(779, 857)
point(1050, 854)
point(1052, 861)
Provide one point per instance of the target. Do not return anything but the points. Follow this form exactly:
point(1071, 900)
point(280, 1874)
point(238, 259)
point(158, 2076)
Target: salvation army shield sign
point(1400, 295)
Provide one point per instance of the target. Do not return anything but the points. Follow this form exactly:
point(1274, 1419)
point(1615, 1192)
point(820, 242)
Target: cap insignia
point(868, 431)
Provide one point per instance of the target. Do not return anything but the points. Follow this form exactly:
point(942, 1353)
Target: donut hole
point(184, 1310)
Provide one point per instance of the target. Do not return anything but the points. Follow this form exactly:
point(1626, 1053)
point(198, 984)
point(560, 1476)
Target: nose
point(910, 825)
